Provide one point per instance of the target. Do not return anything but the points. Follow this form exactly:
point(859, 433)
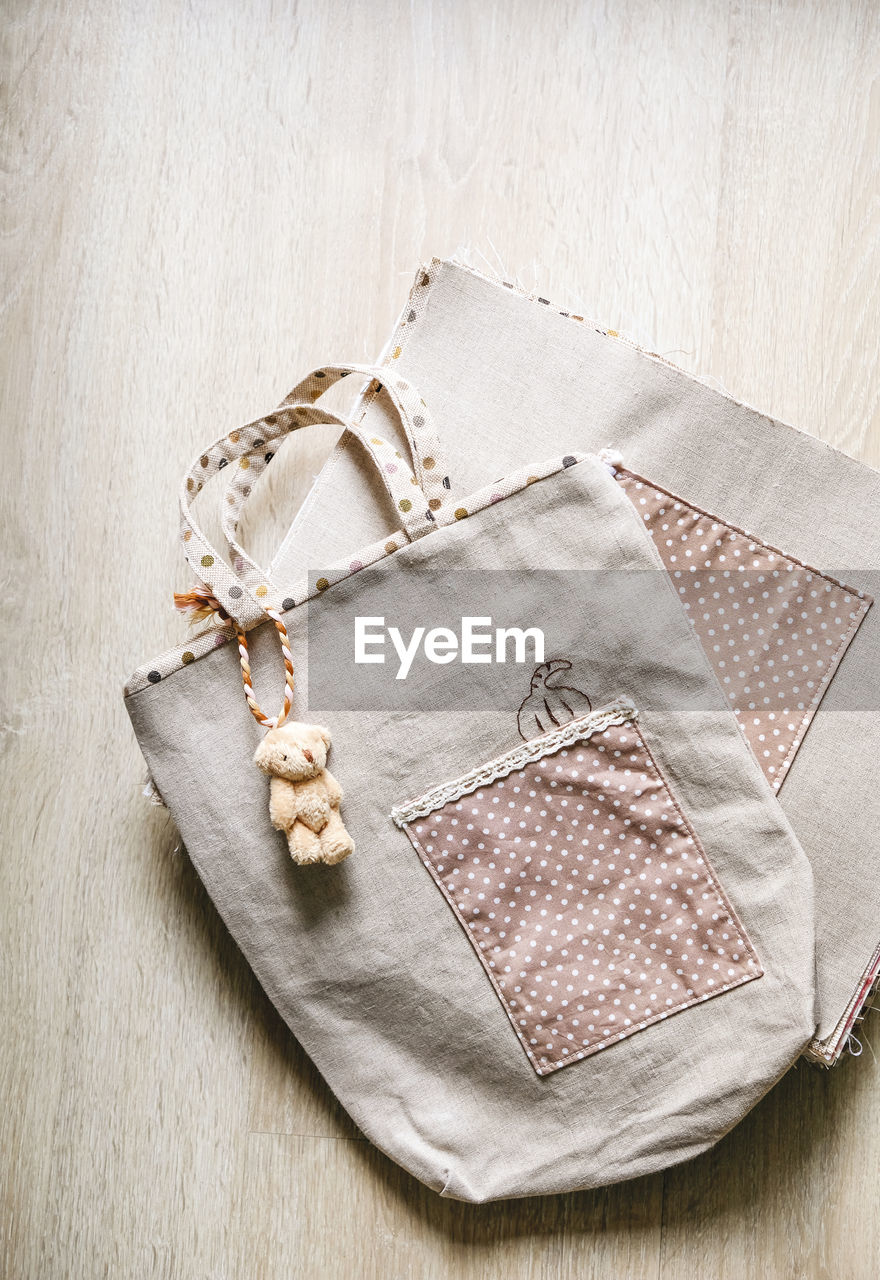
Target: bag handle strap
point(245, 591)
point(430, 481)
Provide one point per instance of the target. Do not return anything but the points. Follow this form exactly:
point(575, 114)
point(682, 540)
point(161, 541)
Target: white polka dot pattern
point(774, 630)
point(586, 895)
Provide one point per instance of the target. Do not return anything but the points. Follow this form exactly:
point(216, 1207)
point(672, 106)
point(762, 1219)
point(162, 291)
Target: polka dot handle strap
point(245, 592)
point(416, 498)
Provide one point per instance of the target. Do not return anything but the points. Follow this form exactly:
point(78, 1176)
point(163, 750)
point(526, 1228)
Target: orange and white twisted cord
point(270, 722)
point(201, 603)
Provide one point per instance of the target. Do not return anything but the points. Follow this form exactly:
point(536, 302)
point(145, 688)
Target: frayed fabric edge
point(151, 792)
point(825, 1053)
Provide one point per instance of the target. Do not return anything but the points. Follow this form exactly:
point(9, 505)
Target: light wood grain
point(199, 202)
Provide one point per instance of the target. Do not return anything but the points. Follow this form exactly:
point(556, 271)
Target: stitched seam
point(480, 501)
point(618, 712)
point(587, 1051)
point(343, 445)
point(413, 838)
point(829, 1050)
point(753, 537)
point(743, 937)
point(864, 601)
point(661, 1016)
point(833, 663)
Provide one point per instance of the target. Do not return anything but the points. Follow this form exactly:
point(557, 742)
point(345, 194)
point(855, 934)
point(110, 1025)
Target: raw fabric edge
point(826, 1053)
point(702, 380)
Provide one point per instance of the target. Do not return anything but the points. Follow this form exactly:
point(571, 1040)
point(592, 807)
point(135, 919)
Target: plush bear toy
point(304, 798)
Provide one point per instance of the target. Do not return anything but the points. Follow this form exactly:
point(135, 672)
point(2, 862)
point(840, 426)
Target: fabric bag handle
point(430, 481)
point(245, 592)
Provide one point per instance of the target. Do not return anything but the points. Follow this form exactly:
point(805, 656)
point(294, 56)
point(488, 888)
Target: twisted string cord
point(270, 722)
point(200, 603)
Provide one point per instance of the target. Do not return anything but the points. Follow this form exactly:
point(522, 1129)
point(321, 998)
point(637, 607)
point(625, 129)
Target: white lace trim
point(620, 711)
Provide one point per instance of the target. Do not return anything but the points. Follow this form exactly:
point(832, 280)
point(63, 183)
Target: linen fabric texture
point(582, 950)
point(366, 961)
point(502, 370)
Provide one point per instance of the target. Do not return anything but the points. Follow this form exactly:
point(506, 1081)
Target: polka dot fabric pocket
point(582, 887)
point(775, 630)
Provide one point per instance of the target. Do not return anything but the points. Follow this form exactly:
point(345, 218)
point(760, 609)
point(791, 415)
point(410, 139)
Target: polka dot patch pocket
point(582, 886)
point(774, 630)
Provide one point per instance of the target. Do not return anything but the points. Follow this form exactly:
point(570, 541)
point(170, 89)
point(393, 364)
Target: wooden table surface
point(199, 201)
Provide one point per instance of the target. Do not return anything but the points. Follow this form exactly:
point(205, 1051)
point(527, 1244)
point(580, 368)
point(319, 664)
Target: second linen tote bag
point(503, 369)
point(575, 941)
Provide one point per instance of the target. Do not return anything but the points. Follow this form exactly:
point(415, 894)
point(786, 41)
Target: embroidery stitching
point(546, 700)
point(621, 711)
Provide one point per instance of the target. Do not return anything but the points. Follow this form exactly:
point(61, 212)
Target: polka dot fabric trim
point(416, 497)
point(774, 630)
point(506, 488)
point(175, 659)
point(215, 637)
point(586, 895)
point(244, 589)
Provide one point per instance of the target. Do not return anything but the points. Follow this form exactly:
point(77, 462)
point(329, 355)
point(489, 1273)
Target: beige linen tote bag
point(575, 941)
point(786, 526)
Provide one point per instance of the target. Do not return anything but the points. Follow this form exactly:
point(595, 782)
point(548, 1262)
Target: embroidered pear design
point(550, 703)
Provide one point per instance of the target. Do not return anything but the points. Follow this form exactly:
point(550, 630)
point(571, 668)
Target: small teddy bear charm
point(304, 798)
